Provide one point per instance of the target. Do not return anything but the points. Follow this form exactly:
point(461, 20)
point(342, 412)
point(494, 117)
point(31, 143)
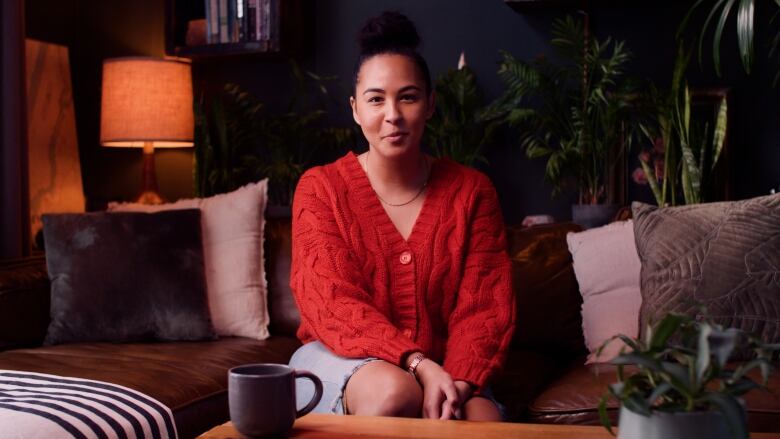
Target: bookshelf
point(186, 32)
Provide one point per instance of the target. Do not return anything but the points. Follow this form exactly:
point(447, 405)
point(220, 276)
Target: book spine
point(232, 21)
point(251, 20)
point(212, 20)
point(273, 24)
point(241, 19)
point(224, 35)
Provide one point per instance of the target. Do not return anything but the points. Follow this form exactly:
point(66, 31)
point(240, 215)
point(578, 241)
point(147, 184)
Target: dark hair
point(390, 33)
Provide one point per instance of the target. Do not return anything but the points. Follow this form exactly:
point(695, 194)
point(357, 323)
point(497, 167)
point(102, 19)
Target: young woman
point(399, 264)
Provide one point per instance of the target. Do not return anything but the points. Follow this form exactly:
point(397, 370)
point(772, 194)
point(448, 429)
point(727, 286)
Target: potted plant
point(580, 114)
point(685, 152)
point(239, 141)
point(682, 386)
point(456, 130)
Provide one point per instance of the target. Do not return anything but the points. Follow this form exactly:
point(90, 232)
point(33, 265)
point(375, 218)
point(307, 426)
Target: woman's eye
point(409, 98)
point(375, 99)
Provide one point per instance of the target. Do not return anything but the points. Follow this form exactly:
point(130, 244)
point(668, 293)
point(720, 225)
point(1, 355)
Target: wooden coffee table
point(319, 426)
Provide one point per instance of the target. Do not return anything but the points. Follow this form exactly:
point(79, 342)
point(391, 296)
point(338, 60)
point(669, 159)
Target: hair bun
point(389, 31)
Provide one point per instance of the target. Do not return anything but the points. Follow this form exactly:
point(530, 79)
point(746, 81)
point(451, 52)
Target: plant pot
point(677, 425)
point(593, 215)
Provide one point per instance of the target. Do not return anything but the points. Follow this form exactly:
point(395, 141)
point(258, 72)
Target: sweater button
point(406, 258)
point(408, 333)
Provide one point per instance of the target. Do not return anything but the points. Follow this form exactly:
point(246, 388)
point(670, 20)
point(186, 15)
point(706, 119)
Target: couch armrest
point(24, 302)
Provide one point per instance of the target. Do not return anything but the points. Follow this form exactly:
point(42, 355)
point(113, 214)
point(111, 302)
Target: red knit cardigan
point(364, 291)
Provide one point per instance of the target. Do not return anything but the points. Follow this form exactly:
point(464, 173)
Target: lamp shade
point(146, 100)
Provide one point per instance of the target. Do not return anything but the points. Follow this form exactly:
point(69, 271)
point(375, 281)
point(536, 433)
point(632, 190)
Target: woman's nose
point(392, 113)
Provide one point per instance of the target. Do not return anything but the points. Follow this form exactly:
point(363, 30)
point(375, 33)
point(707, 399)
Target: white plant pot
point(680, 425)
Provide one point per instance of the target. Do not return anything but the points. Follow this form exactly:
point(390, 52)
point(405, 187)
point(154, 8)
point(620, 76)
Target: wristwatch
point(418, 357)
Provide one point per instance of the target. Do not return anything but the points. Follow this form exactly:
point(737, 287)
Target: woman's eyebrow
point(401, 90)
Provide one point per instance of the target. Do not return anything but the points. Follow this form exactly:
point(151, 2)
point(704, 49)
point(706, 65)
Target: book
point(224, 34)
point(212, 21)
point(251, 16)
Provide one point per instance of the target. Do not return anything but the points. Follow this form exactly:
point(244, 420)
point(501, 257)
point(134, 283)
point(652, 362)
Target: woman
point(399, 264)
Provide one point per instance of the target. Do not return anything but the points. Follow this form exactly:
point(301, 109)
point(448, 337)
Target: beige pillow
point(232, 226)
point(607, 268)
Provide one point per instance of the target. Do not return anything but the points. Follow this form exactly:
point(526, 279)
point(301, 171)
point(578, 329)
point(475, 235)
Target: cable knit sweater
point(364, 291)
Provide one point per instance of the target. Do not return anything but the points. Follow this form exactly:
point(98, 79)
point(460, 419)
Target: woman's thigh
point(334, 372)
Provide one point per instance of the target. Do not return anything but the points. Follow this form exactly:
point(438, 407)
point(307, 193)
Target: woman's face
point(391, 104)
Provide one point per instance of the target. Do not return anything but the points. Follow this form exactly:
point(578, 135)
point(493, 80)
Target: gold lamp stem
point(149, 193)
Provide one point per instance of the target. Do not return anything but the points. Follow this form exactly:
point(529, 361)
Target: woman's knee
point(382, 389)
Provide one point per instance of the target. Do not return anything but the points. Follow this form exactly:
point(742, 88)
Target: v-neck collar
point(425, 220)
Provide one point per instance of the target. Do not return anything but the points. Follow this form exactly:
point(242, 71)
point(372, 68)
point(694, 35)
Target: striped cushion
point(34, 405)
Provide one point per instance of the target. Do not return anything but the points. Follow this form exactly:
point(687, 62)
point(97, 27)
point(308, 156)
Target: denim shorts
point(334, 372)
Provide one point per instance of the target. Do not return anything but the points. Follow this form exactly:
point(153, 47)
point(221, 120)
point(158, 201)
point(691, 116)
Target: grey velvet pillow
point(124, 277)
point(725, 256)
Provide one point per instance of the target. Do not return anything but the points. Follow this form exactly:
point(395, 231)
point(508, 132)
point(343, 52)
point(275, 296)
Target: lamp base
point(149, 193)
point(150, 197)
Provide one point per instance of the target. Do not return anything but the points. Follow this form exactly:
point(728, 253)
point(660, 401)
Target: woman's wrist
point(413, 362)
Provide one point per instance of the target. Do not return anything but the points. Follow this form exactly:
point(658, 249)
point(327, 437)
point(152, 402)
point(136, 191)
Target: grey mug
point(261, 398)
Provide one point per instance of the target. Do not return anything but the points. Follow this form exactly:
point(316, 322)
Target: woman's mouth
point(395, 137)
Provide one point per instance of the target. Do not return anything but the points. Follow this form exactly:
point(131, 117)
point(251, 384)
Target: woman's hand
point(440, 395)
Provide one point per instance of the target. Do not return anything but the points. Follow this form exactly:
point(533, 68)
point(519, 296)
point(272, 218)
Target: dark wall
point(98, 29)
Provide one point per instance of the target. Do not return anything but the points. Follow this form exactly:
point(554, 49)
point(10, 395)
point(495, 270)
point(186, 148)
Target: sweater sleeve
point(482, 323)
point(329, 288)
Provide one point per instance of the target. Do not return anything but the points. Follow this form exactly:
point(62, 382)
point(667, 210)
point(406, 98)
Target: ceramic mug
point(262, 398)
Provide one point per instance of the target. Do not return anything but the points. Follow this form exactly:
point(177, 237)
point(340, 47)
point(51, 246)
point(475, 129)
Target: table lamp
point(147, 103)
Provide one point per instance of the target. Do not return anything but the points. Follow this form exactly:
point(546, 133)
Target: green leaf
point(719, 135)
point(639, 359)
point(719, 33)
point(722, 343)
point(745, 32)
point(732, 412)
point(703, 355)
point(661, 390)
point(637, 404)
point(665, 329)
point(704, 28)
point(603, 416)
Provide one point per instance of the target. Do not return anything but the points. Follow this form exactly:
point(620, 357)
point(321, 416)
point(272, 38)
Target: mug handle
point(317, 391)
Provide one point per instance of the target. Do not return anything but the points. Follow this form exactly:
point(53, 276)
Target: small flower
point(658, 145)
point(462, 61)
point(639, 176)
point(644, 156)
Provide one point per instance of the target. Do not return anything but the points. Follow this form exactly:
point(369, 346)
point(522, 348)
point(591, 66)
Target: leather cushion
point(126, 277)
point(188, 377)
point(573, 398)
point(547, 296)
point(24, 302)
point(285, 317)
point(724, 256)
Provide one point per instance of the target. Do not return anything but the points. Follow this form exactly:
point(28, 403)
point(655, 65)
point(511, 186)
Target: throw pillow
point(607, 269)
point(232, 226)
point(126, 277)
point(724, 256)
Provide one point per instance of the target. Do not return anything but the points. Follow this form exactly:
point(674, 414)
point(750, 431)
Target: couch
point(544, 381)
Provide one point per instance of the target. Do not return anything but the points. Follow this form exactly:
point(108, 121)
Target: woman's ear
point(431, 105)
point(353, 104)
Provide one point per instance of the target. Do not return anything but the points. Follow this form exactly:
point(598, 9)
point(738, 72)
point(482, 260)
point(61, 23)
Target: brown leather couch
point(544, 380)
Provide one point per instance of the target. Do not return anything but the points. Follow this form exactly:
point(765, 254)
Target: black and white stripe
point(39, 405)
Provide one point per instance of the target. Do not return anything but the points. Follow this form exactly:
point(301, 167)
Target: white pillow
point(607, 268)
point(232, 225)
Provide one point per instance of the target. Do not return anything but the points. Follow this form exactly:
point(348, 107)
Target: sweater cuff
point(475, 371)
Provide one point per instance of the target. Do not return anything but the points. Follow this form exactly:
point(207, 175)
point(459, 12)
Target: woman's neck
point(404, 173)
